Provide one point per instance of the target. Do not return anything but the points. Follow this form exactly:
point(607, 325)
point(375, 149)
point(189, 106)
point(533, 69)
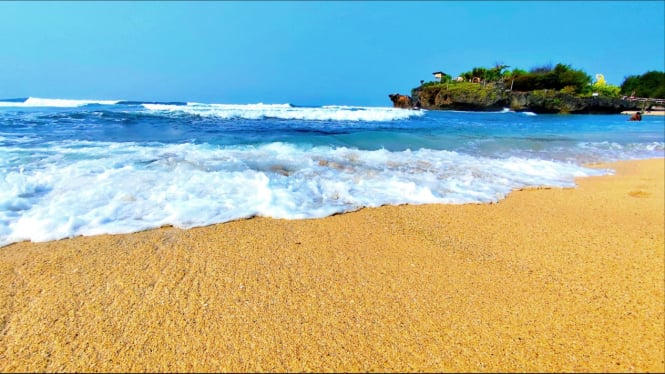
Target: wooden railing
point(645, 99)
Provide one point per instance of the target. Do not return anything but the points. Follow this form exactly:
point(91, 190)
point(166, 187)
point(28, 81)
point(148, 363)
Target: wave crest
point(54, 103)
point(286, 112)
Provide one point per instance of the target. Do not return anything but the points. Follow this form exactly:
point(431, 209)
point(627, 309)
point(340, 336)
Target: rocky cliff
point(479, 98)
point(557, 102)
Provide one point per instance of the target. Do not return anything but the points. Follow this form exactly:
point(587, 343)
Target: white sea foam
point(286, 111)
point(87, 188)
point(503, 110)
point(613, 151)
point(59, 103)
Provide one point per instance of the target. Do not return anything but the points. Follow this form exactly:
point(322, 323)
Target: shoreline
point(544, 280)
point(645, 113)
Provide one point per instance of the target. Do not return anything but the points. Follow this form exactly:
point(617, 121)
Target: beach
point(549, 279)
point(645, 113)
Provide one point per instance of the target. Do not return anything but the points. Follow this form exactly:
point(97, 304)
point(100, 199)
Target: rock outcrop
point(402, 101)
point(479, 98)
point(557, 102)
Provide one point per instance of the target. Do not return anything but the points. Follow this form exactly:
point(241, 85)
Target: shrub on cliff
point(650, 84)
point(557, 78)
point(492, 74)
point(607, 90)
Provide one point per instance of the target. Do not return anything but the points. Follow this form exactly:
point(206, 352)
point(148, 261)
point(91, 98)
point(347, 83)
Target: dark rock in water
point(401, 101)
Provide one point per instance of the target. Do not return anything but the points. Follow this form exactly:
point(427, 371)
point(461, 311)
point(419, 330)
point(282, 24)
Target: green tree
point(497, 72)
point(525, 82)
point(489, 75)
point(565, 75)
point(517, 71)
point(541, 69)
point(446, 78)
point(554, 78)
point(479, 72)
point(650, 84)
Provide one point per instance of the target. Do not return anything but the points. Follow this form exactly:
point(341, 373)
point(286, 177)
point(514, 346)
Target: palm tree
point(496, 73)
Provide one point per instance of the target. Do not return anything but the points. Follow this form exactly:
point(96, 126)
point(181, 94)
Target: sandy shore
point(650, 113)
point(546, 280)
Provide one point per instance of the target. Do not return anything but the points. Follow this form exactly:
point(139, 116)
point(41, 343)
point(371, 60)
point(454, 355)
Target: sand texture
point(546, 280)
point(645, 113)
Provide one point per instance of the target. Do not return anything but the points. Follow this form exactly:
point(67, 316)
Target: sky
point(308, 52)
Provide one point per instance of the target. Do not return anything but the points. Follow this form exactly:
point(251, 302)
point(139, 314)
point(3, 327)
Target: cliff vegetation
point(542, 89)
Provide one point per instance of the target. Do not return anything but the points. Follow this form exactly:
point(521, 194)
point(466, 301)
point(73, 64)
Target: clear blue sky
point(308, 53)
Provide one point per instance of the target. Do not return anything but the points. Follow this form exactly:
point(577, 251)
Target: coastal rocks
point(479, 98)
point(471, 100)
point(427, 97)
point(548, 101)
point(402, 101)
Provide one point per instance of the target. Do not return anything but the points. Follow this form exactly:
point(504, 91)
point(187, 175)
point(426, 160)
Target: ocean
point(88, 167)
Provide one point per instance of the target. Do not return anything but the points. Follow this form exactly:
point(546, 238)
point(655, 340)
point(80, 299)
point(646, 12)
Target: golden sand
point(546, 280)
point(645, 113)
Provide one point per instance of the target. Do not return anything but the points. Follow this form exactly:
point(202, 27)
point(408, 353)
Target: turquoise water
point(72, 167)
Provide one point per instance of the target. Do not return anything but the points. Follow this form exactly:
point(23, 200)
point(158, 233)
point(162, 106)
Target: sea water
point(86, 167)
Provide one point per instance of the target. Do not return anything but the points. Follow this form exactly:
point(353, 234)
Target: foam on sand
point(90, 188)
point(555, 280)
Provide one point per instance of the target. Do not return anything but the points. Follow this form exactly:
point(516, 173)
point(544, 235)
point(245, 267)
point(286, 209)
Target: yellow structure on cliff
point(600, 80)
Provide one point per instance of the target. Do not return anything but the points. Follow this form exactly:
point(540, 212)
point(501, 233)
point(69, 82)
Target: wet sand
point(546, 280)
point(645, 113)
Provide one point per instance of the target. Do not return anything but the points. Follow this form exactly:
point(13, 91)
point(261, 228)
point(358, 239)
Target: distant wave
point(131, 102)
point(254, 105)
point(286, 112)
point(74, 103)
point(255, 111)
point(17, 100)
point(58, 103)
